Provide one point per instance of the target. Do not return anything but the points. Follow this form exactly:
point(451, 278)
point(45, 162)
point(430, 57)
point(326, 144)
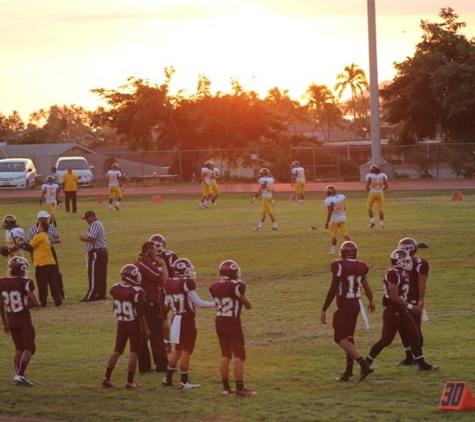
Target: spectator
point(45, 265)
point(70, 188)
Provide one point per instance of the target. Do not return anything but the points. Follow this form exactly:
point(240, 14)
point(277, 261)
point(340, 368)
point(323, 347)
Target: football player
point(336, 214)
point(114, 179)
point(213, 186)
point(397, 314)
point(181, 298)
point(16, 297)
point(349, 275)
point(50, 192)
point(229, 294)
point(14, 237)
point(416, 294)
point(154, 273)
point(131, 325)
point(298, 179)
point(376, 184)
point(206, 173)
point(266, 189)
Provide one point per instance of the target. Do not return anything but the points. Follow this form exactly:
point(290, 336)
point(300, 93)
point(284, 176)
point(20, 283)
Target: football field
point(292, 361)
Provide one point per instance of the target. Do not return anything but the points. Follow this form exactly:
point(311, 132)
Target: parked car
point(80, 166)
point(17, 173)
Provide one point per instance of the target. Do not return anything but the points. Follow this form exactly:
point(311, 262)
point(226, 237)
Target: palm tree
point(321, 101)
point(354, 78)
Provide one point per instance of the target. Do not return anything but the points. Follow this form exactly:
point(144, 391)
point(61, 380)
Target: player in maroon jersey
point(154, 273)
point(181, 298)
point(229, 294)
point(17, 296)
point(416, 294)
point(131, 325)
point(397, 312)
point(348, 277)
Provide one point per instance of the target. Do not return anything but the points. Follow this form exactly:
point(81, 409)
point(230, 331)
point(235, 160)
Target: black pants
point(152, 313)
point(97, 274)
point(59, 276)
point(70, 196)
point(46, 275)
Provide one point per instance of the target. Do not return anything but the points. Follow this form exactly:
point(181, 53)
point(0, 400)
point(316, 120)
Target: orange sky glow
point(55, 52)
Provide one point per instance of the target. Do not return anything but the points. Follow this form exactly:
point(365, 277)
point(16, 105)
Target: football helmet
point(131, 273)
point(264, 172)
point(401, 259)
point(295, 164)
point(182, 267)
point(408, 244)
point(9, 221)
point(209, 164)
point(348, 250)
point(159, 242)
point(229, 270)
point(115, 166)
point(19, 266)
point(374, 169)
point(50, 179)
point(330, 190)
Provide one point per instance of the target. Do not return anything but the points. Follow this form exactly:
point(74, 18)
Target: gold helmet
point(264, 172)
point(330, 190)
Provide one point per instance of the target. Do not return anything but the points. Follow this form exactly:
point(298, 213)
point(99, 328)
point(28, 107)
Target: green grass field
point(292, 359)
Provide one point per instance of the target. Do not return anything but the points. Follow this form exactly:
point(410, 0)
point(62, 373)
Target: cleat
point(312, 228)
point(405, 362)
point(365, 371)
point(202, 206)
point(22, 380)
point(428, 368)
point(188, 385)
point(166, 382)
point(274, 229)
point(344, 377)
point(131, 385)
point(371, 225)
point(227, 391)
point(106, 382)
point(256, 229)
point(331, 253)
point(117, 208)
point(382, 226)
point(245, 392)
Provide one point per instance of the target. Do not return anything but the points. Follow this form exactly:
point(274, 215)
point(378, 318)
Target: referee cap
point(42, 214)
point(88, 214)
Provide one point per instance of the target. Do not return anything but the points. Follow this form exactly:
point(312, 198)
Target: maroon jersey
point(176, 295)
point(15, 294)
point(399, 277)
point(351, 273)
point(419, 266)
point(226, 295)
point(126, 297)
point(169, 257)
point(151, 276)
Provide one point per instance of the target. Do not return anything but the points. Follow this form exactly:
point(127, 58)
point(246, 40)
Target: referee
point(97, 257)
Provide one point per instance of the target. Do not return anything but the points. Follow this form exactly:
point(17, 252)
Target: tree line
point(431, 96)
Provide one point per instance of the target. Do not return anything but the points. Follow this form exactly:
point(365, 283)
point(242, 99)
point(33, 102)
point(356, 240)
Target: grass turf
point(292, 360)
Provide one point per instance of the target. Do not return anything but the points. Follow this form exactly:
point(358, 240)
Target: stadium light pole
point(373, 85)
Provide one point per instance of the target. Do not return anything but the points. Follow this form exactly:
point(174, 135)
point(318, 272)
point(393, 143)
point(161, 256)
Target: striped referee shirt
point(52, 234)
point(96, 231)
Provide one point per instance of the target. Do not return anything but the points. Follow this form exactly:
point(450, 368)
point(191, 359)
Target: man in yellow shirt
point(45, 265)
point(70, 188)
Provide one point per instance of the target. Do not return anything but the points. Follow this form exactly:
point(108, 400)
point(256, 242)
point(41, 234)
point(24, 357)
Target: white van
point(17, 173)
point(79, 165)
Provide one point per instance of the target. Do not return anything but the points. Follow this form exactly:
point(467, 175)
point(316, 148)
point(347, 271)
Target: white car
point(79, 165)
point(17, 173)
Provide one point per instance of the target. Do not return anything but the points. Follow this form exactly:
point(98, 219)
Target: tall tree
point(433, 93)
point(353, 78)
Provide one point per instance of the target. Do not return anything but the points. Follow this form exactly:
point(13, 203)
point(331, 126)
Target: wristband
point(420, 303)
point(410, 306)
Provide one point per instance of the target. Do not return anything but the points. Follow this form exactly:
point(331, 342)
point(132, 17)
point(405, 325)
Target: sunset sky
point(56, 51)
